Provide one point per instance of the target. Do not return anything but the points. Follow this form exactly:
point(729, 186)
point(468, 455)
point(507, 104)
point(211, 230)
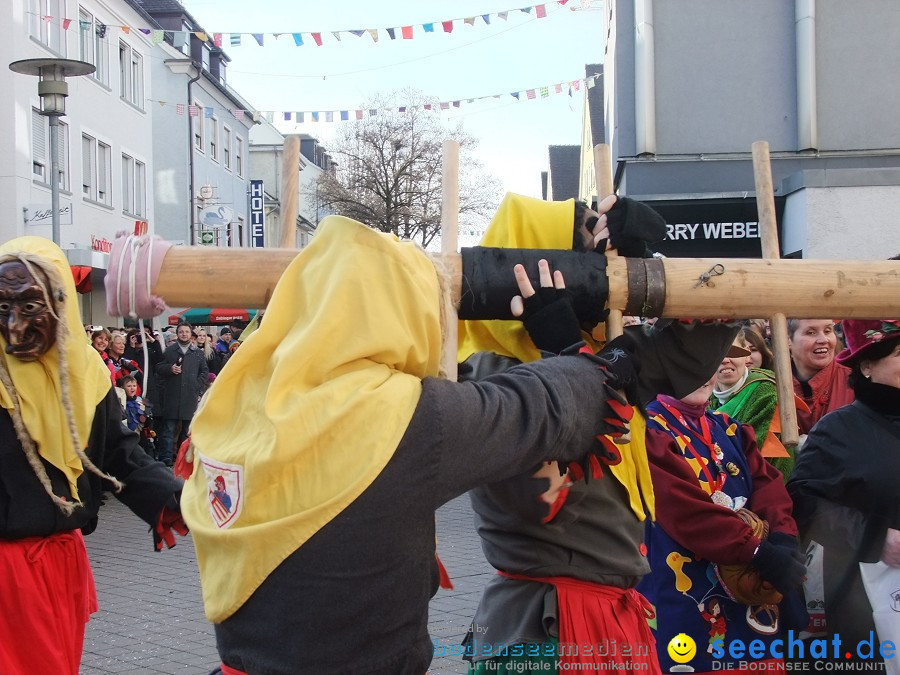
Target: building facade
point(105, 149)
point(689, 86)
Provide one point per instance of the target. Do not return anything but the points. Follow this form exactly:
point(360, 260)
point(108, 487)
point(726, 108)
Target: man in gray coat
point(184, 377)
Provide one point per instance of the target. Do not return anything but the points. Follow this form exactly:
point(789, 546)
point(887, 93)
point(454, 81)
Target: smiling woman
point(818, 379)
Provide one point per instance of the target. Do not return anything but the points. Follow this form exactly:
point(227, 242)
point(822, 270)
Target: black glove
point(169, 521)
point(781, 566)
point(784, 539)
point(622, 365)
point(550, 320)
point(632, 225)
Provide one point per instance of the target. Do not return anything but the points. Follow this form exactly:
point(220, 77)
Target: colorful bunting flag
point(329, 116)
point(345, 115)
point(390, 32)
point(179, 108)
point(526, 10)
point(235, 39)
point(448, 26)
point(269, 117)
point(317, 38)
point(145, 31)
point(469, 21)
point(193, 110)
point(444, 105)
point(515, 95)
point(374, 33)
point(67, 23)
point(84, 25)
point(540, 11)
point(402, 108)
point(298, 39)
point(429, 27)
point(455, 104)
point(101, 30)
point(157, 36)
point(179, 39)
point(530, 93)
point(301, 117)
point(503, 15)
point(203, 37)
point(357, 33)
point(315, 116)
point(487, 19)
point(287, 117)
point(337, 35)
point(407, 32)
point(238, 114)
point(558, 88)
point(217, 39)
point(258, 37)
point(359, 114)
point(208, 111)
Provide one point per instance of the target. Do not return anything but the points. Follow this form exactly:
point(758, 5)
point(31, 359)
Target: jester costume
point(705, 467)
point(336, 442)
point(568, 565)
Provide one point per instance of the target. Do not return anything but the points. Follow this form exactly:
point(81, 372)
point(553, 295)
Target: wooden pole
point(290, 178)
point(200, 276)
point(615, 324)
point(768, 228)
point(449, 241)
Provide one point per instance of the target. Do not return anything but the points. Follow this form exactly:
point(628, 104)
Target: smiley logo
point(682, 648)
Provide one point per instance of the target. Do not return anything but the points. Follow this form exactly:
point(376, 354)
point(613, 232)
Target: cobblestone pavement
point(151, 616)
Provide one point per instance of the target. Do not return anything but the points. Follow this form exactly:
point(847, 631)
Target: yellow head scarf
point(313, 405)
point(37, 383)
point(525, 222)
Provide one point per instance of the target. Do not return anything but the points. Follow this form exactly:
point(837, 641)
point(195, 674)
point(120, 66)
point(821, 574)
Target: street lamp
point(53, 90)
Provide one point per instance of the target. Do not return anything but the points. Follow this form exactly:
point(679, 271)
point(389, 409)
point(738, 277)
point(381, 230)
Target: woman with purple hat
point(845, 483)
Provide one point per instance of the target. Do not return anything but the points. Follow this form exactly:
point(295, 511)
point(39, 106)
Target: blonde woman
point(213, 358)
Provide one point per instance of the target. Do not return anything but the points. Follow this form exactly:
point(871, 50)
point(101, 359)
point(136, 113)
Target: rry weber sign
point(712, 228)
point(257, 214)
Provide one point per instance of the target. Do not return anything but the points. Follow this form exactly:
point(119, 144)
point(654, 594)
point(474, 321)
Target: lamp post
point(53, 89)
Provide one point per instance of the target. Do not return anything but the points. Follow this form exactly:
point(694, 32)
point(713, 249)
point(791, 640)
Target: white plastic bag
point(814, 591)
point(882, 584)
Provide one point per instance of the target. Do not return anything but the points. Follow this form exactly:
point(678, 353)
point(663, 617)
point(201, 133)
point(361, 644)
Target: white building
point(105, 149)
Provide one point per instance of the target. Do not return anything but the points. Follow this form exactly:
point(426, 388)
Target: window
point(96, 166)
point(226, 147)
point(131, 75)
point(213, 129)
point(239, 156)
point(94, 45)
point(40, 150)
point(45, 19)
point(199, 127)
point(40, 136)
point(134, 186)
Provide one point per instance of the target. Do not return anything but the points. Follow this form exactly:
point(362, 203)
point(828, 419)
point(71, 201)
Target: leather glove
point(632, 225)
point(549, 317)
point(622, 365)
point(781, 566)
point(169, 519)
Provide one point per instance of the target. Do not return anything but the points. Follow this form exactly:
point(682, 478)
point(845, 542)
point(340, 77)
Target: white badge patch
point(225, 484)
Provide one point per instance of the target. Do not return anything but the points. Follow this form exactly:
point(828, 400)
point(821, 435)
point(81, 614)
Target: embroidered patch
point(225, 484)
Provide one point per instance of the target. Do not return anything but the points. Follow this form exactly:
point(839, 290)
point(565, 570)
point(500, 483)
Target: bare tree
point(389, 171)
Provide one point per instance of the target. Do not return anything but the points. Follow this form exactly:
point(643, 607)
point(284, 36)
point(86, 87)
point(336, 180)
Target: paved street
point(151, 616)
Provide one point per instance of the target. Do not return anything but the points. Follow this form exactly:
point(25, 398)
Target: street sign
point(216, 216)
point(207, 238)
point(42, 214)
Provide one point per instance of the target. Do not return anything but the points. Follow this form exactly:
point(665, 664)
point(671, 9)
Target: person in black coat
point(184, 376)
point(844, 485)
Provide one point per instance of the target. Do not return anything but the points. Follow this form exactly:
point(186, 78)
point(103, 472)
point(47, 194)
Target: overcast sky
point(523, 52)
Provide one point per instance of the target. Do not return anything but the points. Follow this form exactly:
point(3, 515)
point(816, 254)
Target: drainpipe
point(805, 36)
point(200, 118)
point(644, 79)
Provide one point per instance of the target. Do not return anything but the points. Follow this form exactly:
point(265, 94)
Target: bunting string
point(330, 116)
point(318, 37)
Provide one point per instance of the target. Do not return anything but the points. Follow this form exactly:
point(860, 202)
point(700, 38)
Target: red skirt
point(47, 596)
point(602, 625)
